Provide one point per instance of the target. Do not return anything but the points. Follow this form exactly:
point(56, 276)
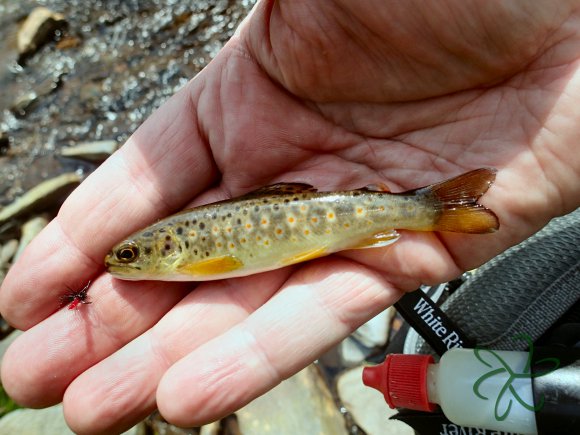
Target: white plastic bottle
point(475, 388)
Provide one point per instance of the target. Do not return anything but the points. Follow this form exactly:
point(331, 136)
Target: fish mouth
point(117, 269)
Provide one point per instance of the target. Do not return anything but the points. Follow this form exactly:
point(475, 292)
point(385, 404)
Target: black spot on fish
point(147, 234)
point(207, 253)
point(167, 247)
point(187, 244)
point(162, 230)
point(186, 223)
point(295, 198)
point(147, 250)
point(239, 221)
point(229, 215)
point(168, 238)
point(286, 200)
point(214, 216)
point(179, 230)
point(356, 194)
point(276, 206)
point(265, 201)
point(203, 239)
point(193, 222)
point(223, 218)
point(201, 225)
point(245, 212)
point(237, 208)
point(256, 208)
point(195, 251)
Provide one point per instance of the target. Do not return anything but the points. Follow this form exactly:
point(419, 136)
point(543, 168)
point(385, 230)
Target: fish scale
point(289, 223)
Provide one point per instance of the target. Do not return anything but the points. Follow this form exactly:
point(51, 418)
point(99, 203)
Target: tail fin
point(457, 199)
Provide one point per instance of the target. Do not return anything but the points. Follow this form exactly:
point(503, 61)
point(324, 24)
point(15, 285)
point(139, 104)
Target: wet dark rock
point(39, 27)
point(114, 63)
point(4, 143)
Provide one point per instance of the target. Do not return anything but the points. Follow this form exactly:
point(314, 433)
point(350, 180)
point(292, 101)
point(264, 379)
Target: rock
point(41, 196)
point(376, 331)
point(48, 421)
point(29, 231)
point(210, 429)
point(367, 406)
point(7, 251)
point(360, 344)
point(301, 404)
point(92, 151)
point(39, 27)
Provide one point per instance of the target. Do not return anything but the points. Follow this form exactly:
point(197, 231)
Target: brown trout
point(288, 223)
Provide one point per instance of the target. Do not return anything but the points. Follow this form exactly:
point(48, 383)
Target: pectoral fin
point(378, 240)
point(211, 266)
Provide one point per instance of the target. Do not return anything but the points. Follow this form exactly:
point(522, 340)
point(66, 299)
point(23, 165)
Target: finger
point(318, 306)
point(162, 166)
point(41, 363)
point(128, 379)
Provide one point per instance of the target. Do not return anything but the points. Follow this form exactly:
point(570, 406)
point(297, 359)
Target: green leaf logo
point(498, 366)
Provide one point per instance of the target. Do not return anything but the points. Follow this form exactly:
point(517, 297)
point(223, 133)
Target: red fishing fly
point(74, 298)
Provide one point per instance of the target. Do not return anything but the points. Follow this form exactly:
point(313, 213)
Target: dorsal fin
point(378, 187)
point(280, 189)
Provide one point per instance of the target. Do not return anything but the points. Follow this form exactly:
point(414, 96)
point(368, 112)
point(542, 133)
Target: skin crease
point(338, 94)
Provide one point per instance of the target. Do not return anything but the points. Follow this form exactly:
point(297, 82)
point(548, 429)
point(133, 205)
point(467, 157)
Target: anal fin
point(378, 240)
point(304, 256)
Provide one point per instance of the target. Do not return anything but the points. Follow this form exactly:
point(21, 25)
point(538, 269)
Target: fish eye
point(127, 253)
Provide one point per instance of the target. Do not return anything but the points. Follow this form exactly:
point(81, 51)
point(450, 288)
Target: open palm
point(337, 95)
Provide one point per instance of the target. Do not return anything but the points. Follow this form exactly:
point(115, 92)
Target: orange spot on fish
point(243, 240)
point(314, 219)
point(232, 246)
point(249, 226)
point(306, 232)
point(347, 225)
point(359, 210)
point(266, 242)
point(302, 208)
point(381, 208)
point(219, 244)
point(279, 231)
point(264, 222)
point(330, 215)
point(291, 220)
point(258, 238)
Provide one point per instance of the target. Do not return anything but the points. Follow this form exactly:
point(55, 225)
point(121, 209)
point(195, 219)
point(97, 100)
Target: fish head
point(145, 255)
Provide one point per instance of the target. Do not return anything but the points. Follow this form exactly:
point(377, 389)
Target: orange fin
point(457, 200)
point(378, 240)
point(304, 256)
point(211, 266)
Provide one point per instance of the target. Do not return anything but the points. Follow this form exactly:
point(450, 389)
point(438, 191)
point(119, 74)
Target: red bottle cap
point(403, 381)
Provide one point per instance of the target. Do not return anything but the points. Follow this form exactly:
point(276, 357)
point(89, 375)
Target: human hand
point(336, 94)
